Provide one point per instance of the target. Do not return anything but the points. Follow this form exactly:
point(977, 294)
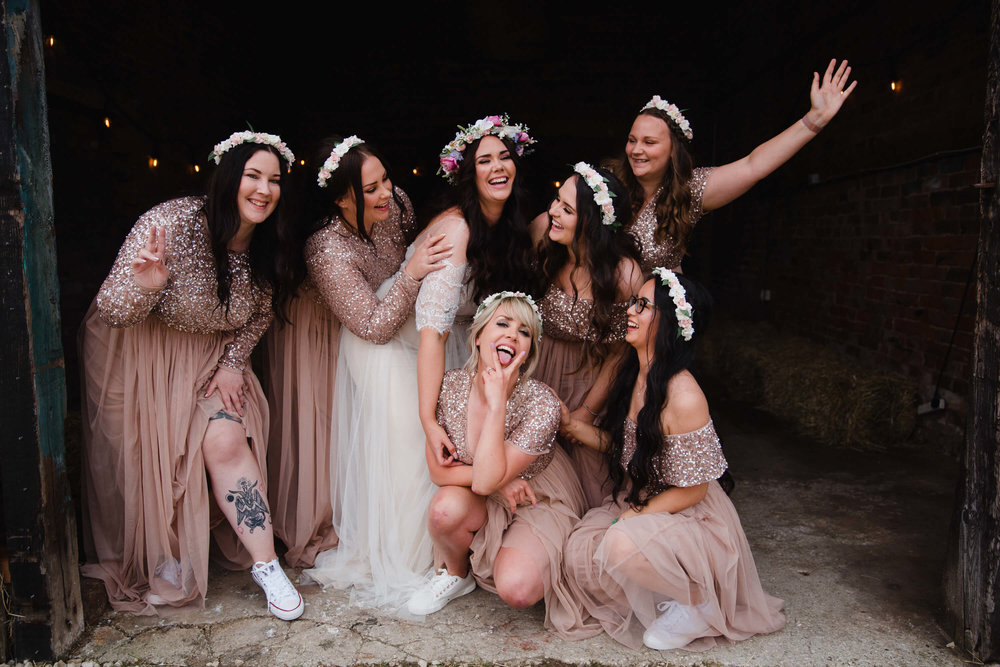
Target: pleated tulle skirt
point(557, 367)
point(147, 509)
point(539, 532)
point(380, 486)
point(301, 371)
point(700, 557)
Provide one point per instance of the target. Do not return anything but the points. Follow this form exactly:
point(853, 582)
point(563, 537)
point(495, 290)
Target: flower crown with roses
point(498, 126)
point(250, 137)
point(673, 113)
point(682, 309)
point(602, 195)
point(499, 296)
point(332, 162)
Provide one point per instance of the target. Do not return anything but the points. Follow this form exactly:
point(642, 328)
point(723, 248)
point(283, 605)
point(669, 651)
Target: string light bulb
point(153, 162)
point(896, 86)
point(197, 169)
point(52, 40)
point(302, 162)
point(558, 184)
point(107, 121)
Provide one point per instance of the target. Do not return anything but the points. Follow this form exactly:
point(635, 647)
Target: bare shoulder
point(451, 223)
point(539, 226)
point(629, 278)
point(687, 407)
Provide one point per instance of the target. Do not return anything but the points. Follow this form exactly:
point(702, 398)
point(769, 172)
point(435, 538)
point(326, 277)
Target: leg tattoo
point(251, 510)
point(225, 415)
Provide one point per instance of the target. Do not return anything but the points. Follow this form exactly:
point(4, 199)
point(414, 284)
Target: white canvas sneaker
point(677, 626)
point(282, 599)
point(440, 589)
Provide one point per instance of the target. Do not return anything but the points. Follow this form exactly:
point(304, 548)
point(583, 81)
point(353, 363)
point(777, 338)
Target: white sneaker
point(282, 599)
point(440, 589)
point(677, 626)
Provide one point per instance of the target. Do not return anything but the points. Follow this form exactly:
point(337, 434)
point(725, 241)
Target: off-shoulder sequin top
point(565, 318)
point(189, 301)
point(687, 459)
point(643, 229)
point(345, 272)
point(530, 425)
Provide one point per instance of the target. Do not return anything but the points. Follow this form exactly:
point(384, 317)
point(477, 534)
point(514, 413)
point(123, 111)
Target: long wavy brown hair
point(673, 203)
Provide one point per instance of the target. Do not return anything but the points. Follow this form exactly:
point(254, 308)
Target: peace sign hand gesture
point(148, 268)
point(827, 95)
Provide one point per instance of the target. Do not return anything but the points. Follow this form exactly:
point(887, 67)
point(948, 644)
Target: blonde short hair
point(516, 307)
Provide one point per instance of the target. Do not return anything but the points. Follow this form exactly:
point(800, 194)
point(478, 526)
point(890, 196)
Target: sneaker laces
point(277, 581)
point(443, 581)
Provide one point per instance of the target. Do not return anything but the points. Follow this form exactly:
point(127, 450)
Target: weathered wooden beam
point(972, 580)
point(46, 614)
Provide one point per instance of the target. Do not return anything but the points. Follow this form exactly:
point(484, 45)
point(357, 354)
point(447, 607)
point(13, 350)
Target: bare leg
point(456, 513)
point(237, 484)
point(623, 553)
point(517, 578)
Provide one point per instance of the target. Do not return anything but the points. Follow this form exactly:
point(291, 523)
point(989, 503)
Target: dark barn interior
point(855, 260)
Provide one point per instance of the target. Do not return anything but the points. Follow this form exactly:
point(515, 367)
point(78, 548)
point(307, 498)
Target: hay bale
point(826, 395)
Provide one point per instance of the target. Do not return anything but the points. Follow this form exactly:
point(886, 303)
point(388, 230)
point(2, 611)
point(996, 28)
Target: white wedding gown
point(380, 485)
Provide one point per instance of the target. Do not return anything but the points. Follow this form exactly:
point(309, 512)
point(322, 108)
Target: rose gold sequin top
point(564, 318)
point(189, 301)
point(644, 227)
point(530, 424)
point(345, 272)
point(687, 459)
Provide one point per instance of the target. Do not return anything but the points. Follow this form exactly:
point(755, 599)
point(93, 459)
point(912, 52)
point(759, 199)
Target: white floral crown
point(332, 162)
point(498, 126)
point(673, 113)
point(499, 296)
point(249, 137)
point(602, 195)
point(682, 309)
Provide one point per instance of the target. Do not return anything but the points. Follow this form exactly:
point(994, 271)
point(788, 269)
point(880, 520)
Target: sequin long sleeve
point(121, 302)
point(347, 271)
point(189, 302)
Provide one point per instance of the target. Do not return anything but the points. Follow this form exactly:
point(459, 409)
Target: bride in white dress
point(380, 484)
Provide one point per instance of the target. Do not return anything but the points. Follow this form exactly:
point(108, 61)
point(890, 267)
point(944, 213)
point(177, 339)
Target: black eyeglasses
point(640, 303)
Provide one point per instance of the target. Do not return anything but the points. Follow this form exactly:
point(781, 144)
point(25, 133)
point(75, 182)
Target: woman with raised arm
point(171, 401)
point(357, 241)
point(669, 197)
point(590, 267)
point(515, 497)
point(664, 561)
point(381, 486)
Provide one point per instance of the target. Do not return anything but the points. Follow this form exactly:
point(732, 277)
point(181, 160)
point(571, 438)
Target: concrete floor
point(853, 541)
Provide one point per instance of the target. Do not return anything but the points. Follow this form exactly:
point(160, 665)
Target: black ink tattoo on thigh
point(251, 510)
point(225, 415)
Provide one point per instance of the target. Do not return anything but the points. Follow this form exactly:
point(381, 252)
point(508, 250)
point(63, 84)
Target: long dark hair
point(500, 255)
point(673, 204)
point(600, 249)
point(223, 217)
point(671, 355)
point(321, 208)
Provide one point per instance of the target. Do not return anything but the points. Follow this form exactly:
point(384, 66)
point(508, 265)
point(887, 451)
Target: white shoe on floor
point(440, 589)
point(677, 626)
point(282, 599)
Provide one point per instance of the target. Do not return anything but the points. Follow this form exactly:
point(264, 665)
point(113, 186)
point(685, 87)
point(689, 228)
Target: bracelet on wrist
point(811, 126)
